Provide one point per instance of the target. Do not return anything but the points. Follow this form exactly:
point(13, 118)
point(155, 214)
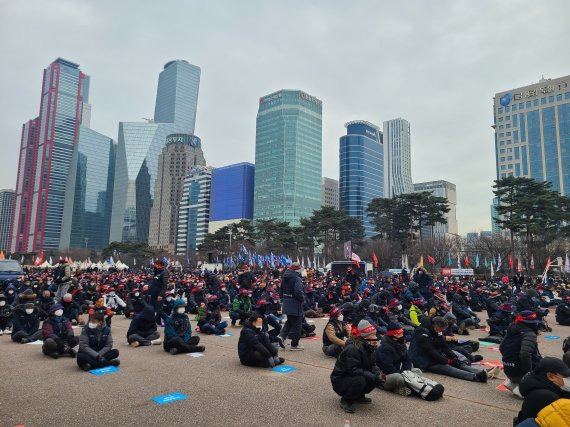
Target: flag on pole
point(532, 262)
point(467, 261)
point(449, 262)
point(511, 262)
point(375, 259)
point(492, 272)
point(519, 265)
point(403, 265)
point(347, 249)
point(356, 259)
point(22, 259)
point(406, 263)
point(567, 264)
point(431, 259)
point(486, 262)
point(499, 263)
point(458, 261)
point(421, 263)
point(477, 261)
point(2, 256)
point(134, 261)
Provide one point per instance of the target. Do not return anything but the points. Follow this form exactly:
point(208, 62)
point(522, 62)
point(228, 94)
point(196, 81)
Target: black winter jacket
point(143, 323)
point(538, 392)
point(353, 361)
point(428, 348)
point(252, 340)
point(519, 350)
point(29, 323)
point(392, 357)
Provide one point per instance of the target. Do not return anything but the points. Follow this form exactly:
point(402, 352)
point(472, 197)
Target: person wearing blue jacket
point(178, 331)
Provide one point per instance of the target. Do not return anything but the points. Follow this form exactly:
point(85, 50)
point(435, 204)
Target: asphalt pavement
point(39, 391)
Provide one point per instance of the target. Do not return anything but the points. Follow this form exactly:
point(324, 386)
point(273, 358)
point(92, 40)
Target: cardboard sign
point(104, 371)
point(169, 398)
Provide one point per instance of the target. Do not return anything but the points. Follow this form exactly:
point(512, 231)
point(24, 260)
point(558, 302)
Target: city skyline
point(445, 91)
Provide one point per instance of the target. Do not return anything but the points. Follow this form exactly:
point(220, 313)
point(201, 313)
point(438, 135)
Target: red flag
point(511, 262)
point(375, 259)
point(431, 259)
point(356, 260)
point(519, 265)
point(548, 262)
point(466, 260)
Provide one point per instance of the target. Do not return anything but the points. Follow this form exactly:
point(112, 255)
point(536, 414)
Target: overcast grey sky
point(435, 63)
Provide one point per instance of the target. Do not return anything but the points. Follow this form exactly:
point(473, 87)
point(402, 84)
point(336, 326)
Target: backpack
point(427, 389)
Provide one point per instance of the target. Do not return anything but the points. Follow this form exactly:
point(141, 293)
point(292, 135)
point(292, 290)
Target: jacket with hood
point(460, 308)
point(177, 325)
point(519, 350)
point(28, 323)
point(428, 347)
point(292, 293)
point(144, 322)
point(392, 357)
point(556, 414)
point(95, 342)
point(354, 361)
point(538, 392)
point(252, 340)
point(57, 328)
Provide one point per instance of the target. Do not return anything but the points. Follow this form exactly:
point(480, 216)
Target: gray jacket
point(84, 344)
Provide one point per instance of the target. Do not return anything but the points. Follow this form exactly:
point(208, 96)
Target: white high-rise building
point(397, 158)
point(329, 192)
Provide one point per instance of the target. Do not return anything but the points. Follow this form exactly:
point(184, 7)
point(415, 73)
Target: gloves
point(455, 362)
point(379, 378)
point(271, 362)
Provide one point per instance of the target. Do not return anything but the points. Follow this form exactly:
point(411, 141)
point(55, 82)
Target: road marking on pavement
point(227, 334)
point(168, 398)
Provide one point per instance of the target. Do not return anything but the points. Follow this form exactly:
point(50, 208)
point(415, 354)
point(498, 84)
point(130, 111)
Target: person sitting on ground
point(519, 349)
point(241, 307)
point(466, 319)
point(254, 347)
point(6, 314)
point(209, 318)
point(417, 310)
point(336, 334)
point(500, 322)
point(142, 330)
point(59, 339)
point(269, 320)
point(563, 310)
point(355, 374)
point(549, 382)
point(178, 331)
point(412, 293)
point(114, 302)
point(430, 352)
point(392, 358)
point(26, 324)
point(45, 301)
point(96, 345)
point(463, 348)
point(71, 310)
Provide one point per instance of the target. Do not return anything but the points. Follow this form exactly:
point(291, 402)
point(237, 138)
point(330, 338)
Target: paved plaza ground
point(39, 391)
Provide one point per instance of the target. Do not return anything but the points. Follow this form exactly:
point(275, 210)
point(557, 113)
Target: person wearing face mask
point(224, 296)
point(26, 324)
point(430, 352)
point(59, 339)
point(355, 374)
point(11, 295)
point(241, 307)
point(113, 302)
point(96, 345)
point(392, 358)
point(143, 329)
point(254, 347)
point(133, 298)
point(168, 302)
point(44, 304)
point(71, 309)
point(178, 331)
point(336, 334)
point(157, 288)
point(62, 278)
point(549, 382)
point(6, 313)
point(519, 349)
point(209, 318)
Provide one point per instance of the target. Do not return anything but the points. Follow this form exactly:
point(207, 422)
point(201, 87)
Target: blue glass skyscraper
point(139, 145)
point(232, 195)
point(532, 132)
point(361, 170)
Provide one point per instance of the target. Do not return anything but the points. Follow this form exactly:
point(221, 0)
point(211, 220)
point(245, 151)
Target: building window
point(550, 99)
point(500, 110)
point(542, 101)
point(515, 107)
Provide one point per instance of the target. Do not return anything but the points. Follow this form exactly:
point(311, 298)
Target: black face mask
point(369, 347)
point(400, 340)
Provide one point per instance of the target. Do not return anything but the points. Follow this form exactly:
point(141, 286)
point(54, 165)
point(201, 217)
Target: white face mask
point(2, 303)
point(566, 386)
point(10, 292)
point(137, 294)
point(58, 313)
point(111, 294)
point(168, 299)
point(440, 333)
point(180, 310)
point(340, 318)
point(399, 307)
point(258, 327)
point(29, 310)
point(93, 325)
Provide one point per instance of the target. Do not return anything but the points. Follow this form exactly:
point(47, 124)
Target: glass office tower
point(89, 194)
point(6, 205)
point(532, 132)
point(361, 158)
point(65, 91)
point(398, 158)
point(288, 156)
point(140, 144)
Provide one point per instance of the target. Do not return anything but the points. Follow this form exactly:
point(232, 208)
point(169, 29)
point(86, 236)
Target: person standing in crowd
point(245, 278)
point(96, 345)
point(157, 288)
point(293, 298)
point(62, 278)
point(354, 374)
